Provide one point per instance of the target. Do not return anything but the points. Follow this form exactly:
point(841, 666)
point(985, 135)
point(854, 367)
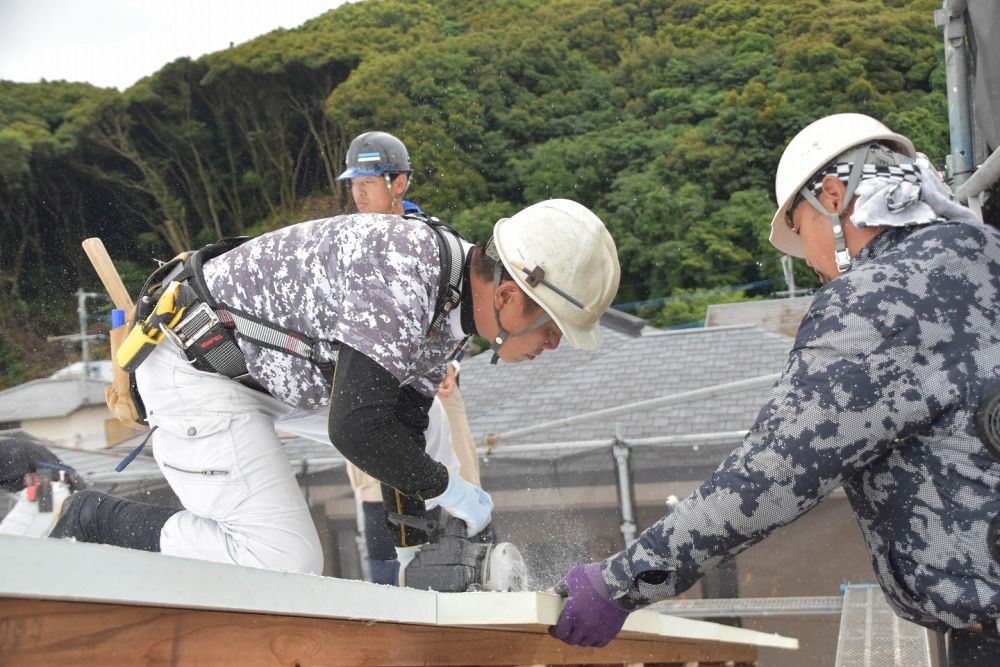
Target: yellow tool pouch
point(148, 333)
point(175, 304)
point(122, 396)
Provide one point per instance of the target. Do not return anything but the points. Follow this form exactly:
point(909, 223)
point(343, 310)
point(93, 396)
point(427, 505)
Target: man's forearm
point(379, 426)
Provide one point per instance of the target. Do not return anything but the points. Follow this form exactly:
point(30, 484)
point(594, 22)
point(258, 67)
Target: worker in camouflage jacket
point(364, 289)
point(898, 353)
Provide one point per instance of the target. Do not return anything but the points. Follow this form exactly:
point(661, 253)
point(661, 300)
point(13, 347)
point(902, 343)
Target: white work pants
point(217, 446)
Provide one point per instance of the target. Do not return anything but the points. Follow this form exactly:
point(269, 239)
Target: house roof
point(49, 397)
point(99, 369)
point(635, 364)
point(626, 369)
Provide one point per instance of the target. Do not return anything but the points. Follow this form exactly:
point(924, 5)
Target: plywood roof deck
point(68, 603)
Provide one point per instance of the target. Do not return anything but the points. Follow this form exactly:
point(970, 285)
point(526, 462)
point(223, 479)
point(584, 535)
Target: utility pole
point(83, 337)
point(789, 270)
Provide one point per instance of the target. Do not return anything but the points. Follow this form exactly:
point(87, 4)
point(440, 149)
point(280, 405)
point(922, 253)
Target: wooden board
point(63, 602)
point(37, 633)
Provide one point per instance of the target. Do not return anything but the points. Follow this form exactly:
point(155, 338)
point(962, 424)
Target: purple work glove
point(590, 617)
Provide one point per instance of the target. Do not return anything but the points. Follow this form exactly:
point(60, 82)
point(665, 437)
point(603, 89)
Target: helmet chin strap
point(502, 334)
point(842, 254)
point(388, 188)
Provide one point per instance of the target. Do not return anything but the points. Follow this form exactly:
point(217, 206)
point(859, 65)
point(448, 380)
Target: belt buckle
point(180, 338)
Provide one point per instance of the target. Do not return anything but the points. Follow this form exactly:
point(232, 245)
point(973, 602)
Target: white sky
point(114, 43)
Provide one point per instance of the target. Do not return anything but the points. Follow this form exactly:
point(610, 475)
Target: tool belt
point(175, 305)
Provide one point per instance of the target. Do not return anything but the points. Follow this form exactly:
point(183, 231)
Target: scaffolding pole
point(622, 454)
point(951, 19)
point(971, 192)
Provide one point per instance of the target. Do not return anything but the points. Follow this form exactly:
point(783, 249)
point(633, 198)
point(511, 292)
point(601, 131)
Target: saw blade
point(505, 569)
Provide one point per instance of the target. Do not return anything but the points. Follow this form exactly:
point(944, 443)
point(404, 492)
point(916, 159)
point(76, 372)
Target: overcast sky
point(114, 43)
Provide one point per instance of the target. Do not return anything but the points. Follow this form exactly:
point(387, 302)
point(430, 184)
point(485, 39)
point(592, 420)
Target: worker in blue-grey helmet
point(378, 167)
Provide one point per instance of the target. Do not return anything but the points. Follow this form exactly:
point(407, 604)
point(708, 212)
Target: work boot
point(94, 516)
point(37, 508)
point(384, 571)
point(22, 455)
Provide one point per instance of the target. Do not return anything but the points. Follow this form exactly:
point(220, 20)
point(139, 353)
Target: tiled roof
point(49, 397)
point(627, 369)
point(568, 382)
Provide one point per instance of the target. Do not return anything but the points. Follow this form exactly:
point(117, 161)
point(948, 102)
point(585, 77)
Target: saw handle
point(106, 271)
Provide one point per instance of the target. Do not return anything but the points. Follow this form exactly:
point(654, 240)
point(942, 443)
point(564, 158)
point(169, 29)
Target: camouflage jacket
point(878, 396)
point(369, 281)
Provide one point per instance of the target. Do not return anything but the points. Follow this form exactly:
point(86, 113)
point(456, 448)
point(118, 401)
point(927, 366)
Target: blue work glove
point(590, 617)
point(466, 502)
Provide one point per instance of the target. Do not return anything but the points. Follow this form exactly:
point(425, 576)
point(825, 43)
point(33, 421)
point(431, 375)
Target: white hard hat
point(811, 150)
point(562, 256)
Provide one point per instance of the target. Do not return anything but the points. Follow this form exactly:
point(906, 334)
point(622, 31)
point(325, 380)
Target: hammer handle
point(106, 271)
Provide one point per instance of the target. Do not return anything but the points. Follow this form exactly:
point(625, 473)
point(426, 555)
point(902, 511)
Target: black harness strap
point(452, 263)
point(208, 332)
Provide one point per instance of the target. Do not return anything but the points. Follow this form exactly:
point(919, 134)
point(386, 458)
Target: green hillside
point(667, 117)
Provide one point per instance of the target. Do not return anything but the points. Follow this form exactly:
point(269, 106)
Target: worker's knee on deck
point(302, 554)
point(289, 543)
point(307, 560)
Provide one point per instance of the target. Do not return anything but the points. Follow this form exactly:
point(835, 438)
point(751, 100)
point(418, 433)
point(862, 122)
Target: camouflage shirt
point(369, 281)
point(878, 396)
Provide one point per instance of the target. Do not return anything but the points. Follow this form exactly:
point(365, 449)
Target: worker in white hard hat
point(377, 167)
point(891, 391)
point(351, 321)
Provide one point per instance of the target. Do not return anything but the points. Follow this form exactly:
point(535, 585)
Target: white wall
point(85, 428)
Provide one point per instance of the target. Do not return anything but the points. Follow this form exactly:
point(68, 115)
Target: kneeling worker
point(350, 320)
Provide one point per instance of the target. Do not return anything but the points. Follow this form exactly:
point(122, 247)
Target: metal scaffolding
point(968, 143)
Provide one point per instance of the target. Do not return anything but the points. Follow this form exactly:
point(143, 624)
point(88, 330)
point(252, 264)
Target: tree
point(666, 117)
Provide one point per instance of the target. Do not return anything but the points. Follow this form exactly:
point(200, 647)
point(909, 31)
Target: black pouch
point(988, 422)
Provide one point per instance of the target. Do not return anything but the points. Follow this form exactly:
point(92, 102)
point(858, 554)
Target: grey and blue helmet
point(374, 153)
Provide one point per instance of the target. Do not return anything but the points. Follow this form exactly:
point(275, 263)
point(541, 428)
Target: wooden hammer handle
point(106, 271)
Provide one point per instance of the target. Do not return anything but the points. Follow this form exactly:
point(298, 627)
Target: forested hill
point(665, 116)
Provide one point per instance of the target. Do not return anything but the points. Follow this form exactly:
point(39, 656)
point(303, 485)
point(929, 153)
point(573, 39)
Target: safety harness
point(450, 283)
point(175, 304)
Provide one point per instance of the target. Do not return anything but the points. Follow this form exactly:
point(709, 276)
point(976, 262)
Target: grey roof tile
point(49, 397)
point(570, 382)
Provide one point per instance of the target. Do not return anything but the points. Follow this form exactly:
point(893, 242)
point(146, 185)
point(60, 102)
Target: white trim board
point(74, 571)
point(65, 570)
point(537, 611)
